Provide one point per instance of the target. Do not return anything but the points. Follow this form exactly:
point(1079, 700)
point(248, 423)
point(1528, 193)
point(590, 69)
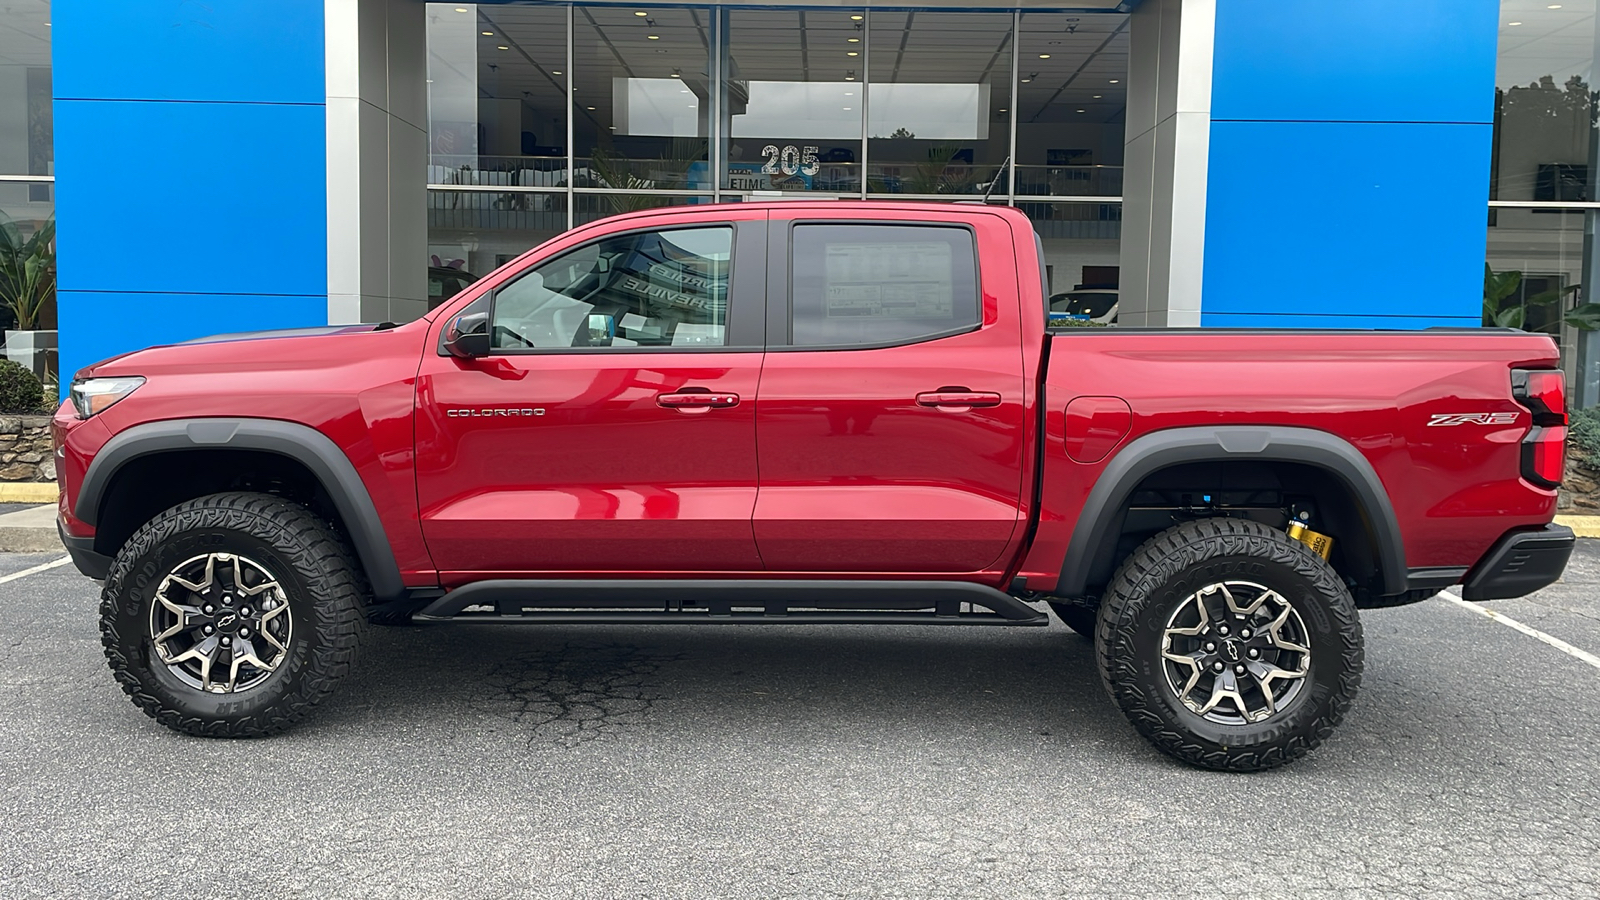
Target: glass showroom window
point(27, 170)
point(641, 98)
point(497, 127)
point(940, 102)
point(1542, 184)
point(793, 100)
point(685, 105)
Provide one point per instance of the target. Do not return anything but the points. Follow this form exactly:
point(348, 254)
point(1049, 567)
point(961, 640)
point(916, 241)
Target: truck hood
point(293, 334)
point(315, 331)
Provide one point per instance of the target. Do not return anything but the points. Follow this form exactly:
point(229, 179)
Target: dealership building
point(242, 164)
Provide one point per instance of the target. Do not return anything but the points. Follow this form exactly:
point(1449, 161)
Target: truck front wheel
point(231, 615)
point(1229, 645)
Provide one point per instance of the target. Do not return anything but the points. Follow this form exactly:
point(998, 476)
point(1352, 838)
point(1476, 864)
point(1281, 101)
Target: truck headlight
point(96, 395)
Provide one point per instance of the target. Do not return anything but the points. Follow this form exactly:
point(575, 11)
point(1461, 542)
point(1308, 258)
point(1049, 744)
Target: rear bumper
point(1520, 563)
point(81, 549)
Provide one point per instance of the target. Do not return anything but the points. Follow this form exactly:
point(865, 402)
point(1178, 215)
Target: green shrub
point(1583, 436)
point(20, 390)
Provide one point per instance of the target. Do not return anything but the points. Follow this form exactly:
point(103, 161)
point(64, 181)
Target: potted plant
point(27, 288)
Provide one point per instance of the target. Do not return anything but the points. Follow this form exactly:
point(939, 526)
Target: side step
point(723, 602)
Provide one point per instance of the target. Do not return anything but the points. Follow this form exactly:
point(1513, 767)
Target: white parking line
point(36, 569)
point(1534, 633)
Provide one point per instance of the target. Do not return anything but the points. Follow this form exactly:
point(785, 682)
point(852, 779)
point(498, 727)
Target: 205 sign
point(790, 160)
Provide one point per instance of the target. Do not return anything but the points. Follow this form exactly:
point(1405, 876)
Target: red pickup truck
point(804, 412)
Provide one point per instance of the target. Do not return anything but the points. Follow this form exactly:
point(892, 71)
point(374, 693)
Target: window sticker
point(889, 280)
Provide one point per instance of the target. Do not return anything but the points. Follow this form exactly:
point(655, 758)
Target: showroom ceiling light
point(853, 40)
point(1098, 96)
point(589, 108)
point(641, 14)
point(1044, 56)
point(855, 18)
point(1513, 24)
point(1553, 6)
point(852, 53)
point(652, 37)
point(1083, 110)
point(461, 9)
point(555, 73)
point(1114, 81)
point(488, 34)
point(846, 109)
point(504, 47)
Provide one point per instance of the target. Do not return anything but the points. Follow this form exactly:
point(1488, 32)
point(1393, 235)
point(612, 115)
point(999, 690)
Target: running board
point(724, 602)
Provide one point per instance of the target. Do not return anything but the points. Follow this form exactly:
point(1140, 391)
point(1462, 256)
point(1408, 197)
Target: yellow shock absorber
point(1320, 544)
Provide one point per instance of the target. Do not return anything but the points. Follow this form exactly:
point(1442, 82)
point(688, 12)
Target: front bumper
point(81, 549)
point(1520, 563)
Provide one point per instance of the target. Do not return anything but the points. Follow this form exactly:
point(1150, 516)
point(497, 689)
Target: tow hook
point(1320, 544)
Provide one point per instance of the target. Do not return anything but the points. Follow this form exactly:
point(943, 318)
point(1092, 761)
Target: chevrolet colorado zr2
point(807, 412)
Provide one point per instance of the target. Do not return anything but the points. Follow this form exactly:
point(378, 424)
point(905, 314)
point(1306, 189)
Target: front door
point(612, 427)
point(891, 415)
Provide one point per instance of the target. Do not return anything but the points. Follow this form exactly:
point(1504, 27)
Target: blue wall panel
point(1355, 60)
point(103, 324)
point(1349, 162)
point(191, 170)
point(1346, 219)
point(219, 198)
point(237, 50)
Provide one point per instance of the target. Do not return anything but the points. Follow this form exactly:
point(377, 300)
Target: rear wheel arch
point(1322, 464)
point(197, 448)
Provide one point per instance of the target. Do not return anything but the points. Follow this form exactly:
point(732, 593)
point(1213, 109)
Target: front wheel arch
point(301, 445)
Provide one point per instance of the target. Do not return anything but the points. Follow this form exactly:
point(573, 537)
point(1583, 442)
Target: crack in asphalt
point(578, 692)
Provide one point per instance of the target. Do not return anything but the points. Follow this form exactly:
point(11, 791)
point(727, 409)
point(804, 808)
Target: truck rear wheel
point(1229, 645)
point(231, 615)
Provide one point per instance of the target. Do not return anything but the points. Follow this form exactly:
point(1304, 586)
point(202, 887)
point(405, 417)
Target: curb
point(28, 492)
point(1582, 526)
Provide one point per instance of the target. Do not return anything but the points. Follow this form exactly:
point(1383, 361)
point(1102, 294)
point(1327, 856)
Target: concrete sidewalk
point(31, 530)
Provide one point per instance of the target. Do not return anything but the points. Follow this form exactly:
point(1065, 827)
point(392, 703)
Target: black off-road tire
point(1080, 617)
point(1161, 575)
point(324, 596)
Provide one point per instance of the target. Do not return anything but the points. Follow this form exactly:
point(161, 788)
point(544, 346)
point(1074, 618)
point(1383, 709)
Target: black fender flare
point(1096, 532)
point(302, 443)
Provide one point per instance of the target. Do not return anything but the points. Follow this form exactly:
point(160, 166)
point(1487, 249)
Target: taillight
point(1544, 393)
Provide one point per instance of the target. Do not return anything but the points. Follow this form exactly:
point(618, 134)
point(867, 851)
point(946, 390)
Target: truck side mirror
point(467, 336)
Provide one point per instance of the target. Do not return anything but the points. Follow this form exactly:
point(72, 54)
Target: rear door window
point(881, 284)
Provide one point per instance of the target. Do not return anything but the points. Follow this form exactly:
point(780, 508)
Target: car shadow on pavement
point(568, 685)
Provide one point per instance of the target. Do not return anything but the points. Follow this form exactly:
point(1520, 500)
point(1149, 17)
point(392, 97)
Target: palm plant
point(27, 272)
point(1503, 307)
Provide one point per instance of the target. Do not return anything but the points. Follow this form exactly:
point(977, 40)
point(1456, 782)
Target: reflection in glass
point(793, 100)
point(1082, 249)
point(650, 289)
point(496, 85)
point(940, 102)
point(1071, 104)
point(590, 207)
point(641, 98)
point(472, 233)
point(1539, 263)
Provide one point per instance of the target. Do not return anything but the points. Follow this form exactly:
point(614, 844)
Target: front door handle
point(958, 398)
point(695, 401)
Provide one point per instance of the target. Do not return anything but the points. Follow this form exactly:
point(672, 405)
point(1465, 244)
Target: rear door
point(612, 428)
point(890, 422)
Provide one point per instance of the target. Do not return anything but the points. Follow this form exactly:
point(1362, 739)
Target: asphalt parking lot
point(865, 761)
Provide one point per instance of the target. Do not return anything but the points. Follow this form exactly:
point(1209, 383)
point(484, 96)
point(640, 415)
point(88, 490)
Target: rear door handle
point(958, 399)
point(696, 400)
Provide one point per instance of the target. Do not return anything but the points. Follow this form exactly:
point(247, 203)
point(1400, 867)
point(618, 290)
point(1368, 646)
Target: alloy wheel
point(221, 623)
point(1235, 652)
